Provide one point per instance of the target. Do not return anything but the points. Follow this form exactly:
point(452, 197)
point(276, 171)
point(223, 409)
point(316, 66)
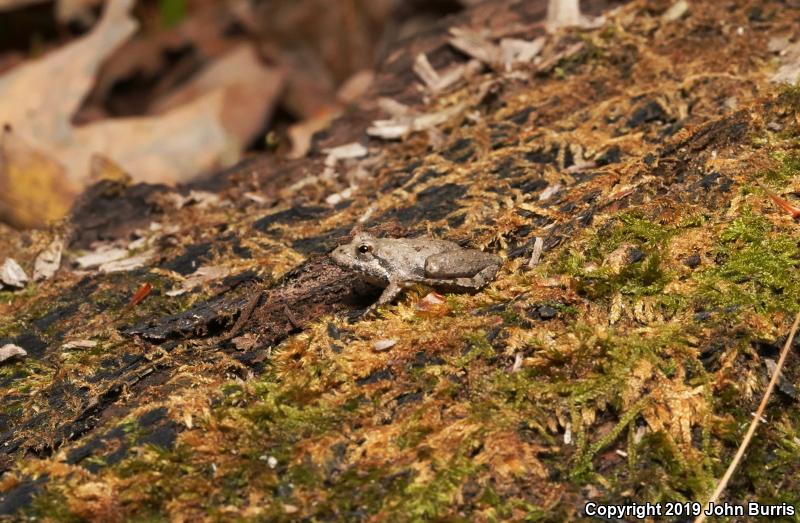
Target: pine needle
point(753, 424)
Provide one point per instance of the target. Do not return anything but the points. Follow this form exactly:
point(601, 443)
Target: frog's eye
point(364, 248)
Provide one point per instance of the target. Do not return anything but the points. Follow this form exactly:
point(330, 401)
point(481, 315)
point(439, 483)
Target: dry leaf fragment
point(103, 254)
point(514, 50)
point(676, 11)
point(389, 129)
point(127, 264)
point(382, 345)
point(9, 351)
point(12, 275)
point(426, 72)
point(567, 13)
point(549, 192)
point(475, 45)
point(347, 151)
point(48, 261)
point(199, 277)
point(79, 344)
point(171, 148)
point(789, 71)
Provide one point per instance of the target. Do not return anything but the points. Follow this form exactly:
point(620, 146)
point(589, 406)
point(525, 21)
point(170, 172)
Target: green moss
point(422, 501)
point(51, 505)
point(629, 228)
point(757, 269)
point(669, 475)
point(356, 492)
point(645, 277)
point(788, 167)
point(478, 347)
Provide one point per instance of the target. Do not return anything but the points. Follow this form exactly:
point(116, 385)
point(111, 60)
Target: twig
point(753, 424)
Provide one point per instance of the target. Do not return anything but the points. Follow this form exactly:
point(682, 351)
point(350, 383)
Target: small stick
point(753, 424)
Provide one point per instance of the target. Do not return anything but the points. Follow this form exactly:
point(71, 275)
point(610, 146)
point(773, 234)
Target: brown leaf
point(202, 127)
point(40, 111)
point(251, 90)
point(33, 187)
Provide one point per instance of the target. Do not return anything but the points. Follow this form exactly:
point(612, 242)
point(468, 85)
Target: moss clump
point(788, 167)
point(756, 269)
point(645, 277)
point(432, 499)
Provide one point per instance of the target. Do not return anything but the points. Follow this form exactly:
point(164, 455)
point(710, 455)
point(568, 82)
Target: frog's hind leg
point(476, 282)
point(466, 263)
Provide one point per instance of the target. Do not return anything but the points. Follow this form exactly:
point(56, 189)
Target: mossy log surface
point(624, 366)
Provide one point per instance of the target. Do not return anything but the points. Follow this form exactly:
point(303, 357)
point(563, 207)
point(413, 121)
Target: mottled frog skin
point(396, 263)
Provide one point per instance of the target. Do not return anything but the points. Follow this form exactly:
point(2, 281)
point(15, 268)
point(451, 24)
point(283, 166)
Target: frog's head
point(360, 255)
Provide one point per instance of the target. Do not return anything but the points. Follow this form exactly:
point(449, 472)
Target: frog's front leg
point(476, 282)
point(387, 296)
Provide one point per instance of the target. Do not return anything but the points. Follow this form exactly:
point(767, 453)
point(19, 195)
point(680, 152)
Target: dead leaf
point(205, 126)
point(514, 50)
point(102, 168)
point(79, 344)
point(251, 90)
point(33, 187)
point(12, 275)
point(382, 345)
point(301, 133)
point(41, 113)
point(127, 264)
point(536, 255)
point(433, 303)
point(103, 254)
point(48, 261)
point(9, 351)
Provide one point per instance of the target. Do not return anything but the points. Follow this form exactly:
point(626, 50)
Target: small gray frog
point(397, 263)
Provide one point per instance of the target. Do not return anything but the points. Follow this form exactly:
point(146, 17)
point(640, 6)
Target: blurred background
point(166, 90)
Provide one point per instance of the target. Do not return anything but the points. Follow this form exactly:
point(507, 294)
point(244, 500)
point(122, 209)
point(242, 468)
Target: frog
point(395, 264)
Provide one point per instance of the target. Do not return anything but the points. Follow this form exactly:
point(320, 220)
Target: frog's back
point(407, 256)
